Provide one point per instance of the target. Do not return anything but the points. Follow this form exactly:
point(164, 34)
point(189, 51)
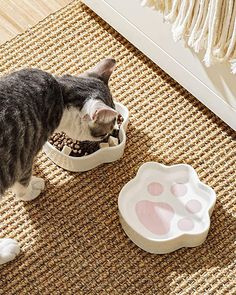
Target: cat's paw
point(9, 249)
point(37, 183)
point(34, 189)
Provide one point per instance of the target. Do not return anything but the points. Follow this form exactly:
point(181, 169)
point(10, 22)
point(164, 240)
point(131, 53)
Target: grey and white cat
point(33, 104)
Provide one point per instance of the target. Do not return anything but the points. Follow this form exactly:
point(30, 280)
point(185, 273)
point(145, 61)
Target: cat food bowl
point(88, 162)
point(165, 208)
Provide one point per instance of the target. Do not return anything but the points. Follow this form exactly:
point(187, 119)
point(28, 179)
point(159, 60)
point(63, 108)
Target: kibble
point(77, 148)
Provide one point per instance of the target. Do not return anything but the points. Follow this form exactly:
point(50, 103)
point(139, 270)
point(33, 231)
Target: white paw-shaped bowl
point(104, 155)
point(165, 208)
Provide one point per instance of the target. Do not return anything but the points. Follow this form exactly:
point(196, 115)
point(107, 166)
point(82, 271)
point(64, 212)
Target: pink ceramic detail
point(193, 206)
point(156, 217)
point(185, 224)
point(179, 189)
point(155, 188)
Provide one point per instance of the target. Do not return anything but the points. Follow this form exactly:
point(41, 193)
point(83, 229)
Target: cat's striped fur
point(33, 104)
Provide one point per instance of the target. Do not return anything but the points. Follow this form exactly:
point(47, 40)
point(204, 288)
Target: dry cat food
point(76, 148)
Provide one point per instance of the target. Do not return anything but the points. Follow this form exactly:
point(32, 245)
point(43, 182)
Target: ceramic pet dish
point(103, 155)
point(165, 208)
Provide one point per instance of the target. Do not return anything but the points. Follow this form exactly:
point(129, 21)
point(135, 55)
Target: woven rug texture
point(71, 238)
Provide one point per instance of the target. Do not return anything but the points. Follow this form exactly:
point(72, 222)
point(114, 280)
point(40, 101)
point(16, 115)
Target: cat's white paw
point(9, 249)
point(37, 183)
point(34, 189)
point(36, 186)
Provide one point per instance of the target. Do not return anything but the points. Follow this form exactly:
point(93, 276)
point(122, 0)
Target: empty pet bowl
point(104, 155)
point(165, 208)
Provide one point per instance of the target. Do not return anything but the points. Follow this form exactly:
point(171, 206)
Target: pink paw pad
point(185, 224)
point(156, 217)
point(155, 188)
point(179, 189)
point(193, 206)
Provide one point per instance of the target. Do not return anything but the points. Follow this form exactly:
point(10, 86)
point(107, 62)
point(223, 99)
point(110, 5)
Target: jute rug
point(71, 238)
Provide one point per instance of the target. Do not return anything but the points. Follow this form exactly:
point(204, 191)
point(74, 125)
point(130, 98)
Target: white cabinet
point(144, 27)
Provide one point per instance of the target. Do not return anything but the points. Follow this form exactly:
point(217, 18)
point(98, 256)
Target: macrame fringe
point(208, 25)
point(233, 66)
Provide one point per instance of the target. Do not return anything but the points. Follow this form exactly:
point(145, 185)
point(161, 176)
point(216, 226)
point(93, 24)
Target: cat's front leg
point(30, 191)
point(9, 248)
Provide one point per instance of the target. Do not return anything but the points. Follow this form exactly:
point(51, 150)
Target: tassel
point(233, 66)
point(214, 13)
point(199, 44)
point(171, 16)
point(232, 35)
point(200, 18)
point(208, 25)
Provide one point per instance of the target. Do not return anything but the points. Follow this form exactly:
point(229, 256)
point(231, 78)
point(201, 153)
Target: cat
point(33, 105)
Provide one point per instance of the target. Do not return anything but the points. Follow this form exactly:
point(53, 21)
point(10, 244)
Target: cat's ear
point(103, 69)
point(99, 112)
point(104, 115)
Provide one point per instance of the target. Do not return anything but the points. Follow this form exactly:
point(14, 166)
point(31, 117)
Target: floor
point(16, 16)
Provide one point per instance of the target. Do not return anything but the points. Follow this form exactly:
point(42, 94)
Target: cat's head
point(90, 113)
